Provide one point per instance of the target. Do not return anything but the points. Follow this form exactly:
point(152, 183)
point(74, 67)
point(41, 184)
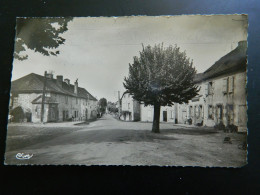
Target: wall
point(24, 100)
point(91, 106)
point(36, 113)
point(147, 113)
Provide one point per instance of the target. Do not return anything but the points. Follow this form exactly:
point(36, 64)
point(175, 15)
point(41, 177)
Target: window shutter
point(224, 85)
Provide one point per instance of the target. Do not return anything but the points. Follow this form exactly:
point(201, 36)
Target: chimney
point(67, 81)
point(76, 87)
point(49, 75)
point(59, 80)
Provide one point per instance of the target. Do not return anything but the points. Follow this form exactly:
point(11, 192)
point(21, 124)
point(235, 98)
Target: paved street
point(108, 141)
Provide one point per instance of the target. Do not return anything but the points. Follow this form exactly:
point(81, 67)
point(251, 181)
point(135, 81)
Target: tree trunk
point(156, 118)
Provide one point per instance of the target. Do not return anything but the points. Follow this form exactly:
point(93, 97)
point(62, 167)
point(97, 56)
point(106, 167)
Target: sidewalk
point(54, 124)
point(186, 125)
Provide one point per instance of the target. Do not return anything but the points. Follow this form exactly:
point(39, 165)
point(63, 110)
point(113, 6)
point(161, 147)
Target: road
point(109, 141)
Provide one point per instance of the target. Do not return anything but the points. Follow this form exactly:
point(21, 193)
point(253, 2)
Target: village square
point(166, 114)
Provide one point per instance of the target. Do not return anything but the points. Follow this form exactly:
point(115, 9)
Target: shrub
point(220, 126)
point(232, 128)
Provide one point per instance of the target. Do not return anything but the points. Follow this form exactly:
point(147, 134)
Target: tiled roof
point(33, 83)
point(233, 61)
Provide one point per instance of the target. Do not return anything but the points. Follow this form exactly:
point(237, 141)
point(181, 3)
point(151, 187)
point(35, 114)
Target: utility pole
point(119, 105)
point(43, 95)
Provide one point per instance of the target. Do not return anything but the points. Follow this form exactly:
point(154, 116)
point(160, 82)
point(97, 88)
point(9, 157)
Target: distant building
point(63, 101)
point(130, 108)
point(222, 95)
point(167, 113)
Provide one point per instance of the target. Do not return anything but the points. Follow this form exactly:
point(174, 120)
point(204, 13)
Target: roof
point(234, 61)
point(48, 100)
point(33, 83)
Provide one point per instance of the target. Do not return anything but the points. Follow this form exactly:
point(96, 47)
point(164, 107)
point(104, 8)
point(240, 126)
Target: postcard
point(137, 90)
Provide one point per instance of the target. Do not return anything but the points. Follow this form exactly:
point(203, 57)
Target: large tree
point(41, 35)
point(160, 76)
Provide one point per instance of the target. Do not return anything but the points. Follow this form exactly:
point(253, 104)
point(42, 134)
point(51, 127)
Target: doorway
point(165, 116)
point(63, 115)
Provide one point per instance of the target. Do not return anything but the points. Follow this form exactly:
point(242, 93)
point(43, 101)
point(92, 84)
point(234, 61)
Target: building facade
point(62, 100)
point(130, 108)
point(222, 95)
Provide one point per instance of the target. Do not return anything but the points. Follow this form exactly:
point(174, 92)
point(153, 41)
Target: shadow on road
point(47, 137)
point(198, 131)
point(118, 136)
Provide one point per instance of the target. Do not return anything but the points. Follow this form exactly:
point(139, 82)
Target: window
point(210, 112)
point(128, 105)
point(38, 111)
point(225, 85)
point(66, 99)
point(230, 114)
point(196, 109)
point(172, 114)
point(231, 84)
point(201, 114)
point(210, 88)
point(76, 114)
point(76, 100)
point(190, 111)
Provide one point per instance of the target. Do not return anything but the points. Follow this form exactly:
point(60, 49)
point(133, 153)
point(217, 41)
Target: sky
point(97, 51)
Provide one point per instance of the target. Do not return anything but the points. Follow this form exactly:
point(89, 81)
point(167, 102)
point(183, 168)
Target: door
point(184, 115)
point(28, 116)
point(52, 115)
point(86, 114)
point(219, 113)
point(165, 116)
point(63, 115)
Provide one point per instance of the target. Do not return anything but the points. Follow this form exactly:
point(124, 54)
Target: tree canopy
point(161, 77)
point(41, 35)
point(103, 104)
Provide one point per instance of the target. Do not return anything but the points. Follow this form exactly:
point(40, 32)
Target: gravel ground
point(112, 142)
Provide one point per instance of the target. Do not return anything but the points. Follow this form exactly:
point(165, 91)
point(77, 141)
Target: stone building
point(63, 101)
point(222, 95)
